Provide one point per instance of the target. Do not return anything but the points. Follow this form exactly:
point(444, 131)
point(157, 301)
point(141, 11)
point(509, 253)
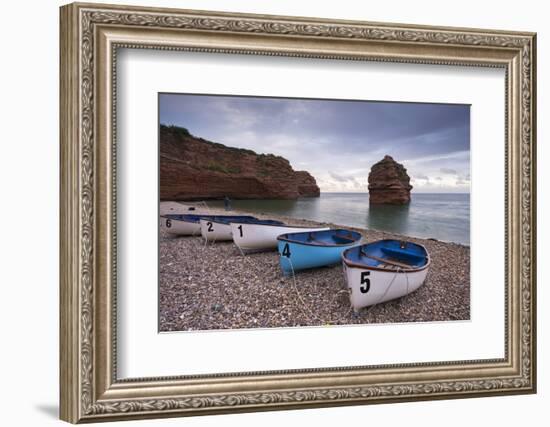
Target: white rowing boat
point(182, 225)
point(250, 236)
point(182, 208)
point(218, 228)
point(384, 270)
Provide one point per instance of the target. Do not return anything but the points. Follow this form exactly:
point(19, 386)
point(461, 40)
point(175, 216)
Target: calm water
point(441, 216)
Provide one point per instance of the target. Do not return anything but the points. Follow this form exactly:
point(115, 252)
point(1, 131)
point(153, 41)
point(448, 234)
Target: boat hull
point(295, 256)
point(180, 208)
point(372, 286)
point(253, 237)
point(180, 227)
point(213, 231)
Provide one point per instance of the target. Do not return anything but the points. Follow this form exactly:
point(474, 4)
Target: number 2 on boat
point(209, 224)
point(365, 281)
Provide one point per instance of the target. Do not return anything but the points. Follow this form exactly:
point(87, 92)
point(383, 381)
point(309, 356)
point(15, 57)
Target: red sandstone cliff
point(389, 183)
point(192, 168)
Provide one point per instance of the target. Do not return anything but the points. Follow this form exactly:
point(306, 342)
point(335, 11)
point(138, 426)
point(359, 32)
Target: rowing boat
point(181, 208)
point(218, 228)
point(299, 251)
point(384, 270)
point(182, 225)
point(253, 236)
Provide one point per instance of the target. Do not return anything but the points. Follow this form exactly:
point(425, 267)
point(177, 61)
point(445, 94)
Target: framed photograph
point(266, 212)
point(226, 209)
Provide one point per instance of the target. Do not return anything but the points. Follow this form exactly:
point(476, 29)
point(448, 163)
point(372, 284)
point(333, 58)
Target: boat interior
point(336, 237)
point(390, 255)
point(216, 218)
point(227, 219)
point(251, 220)
point(187, 217)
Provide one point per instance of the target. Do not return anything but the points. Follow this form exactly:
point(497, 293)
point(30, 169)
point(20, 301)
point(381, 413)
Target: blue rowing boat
point(299, 251)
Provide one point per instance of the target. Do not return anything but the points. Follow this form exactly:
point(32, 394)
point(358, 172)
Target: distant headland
point(192, 168)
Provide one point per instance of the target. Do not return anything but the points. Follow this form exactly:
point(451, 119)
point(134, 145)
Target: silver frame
point(90, 37)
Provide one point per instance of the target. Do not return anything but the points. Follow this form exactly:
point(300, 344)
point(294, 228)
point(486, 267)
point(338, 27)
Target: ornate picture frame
point(90, 37)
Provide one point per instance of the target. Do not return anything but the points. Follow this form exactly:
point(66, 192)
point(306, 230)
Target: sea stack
point(389, 183)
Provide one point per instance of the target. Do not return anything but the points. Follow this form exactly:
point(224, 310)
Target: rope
point(361, 252)
point(241, 251)
point(206, 241)
point(407, 277)
point(197, 231)
point(204, 203)
point(306, 307)
point(389, 287)
point(253, 267)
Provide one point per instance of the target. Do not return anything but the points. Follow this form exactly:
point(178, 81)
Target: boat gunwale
point(204, 217)
point(284, 225)
point(259, 222)
point(354, 264)
point(286, 239)
point(218, 221)
point(167, 216)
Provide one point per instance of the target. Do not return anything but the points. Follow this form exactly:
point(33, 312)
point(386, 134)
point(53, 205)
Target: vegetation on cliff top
point(181, 131)
point(193, 168)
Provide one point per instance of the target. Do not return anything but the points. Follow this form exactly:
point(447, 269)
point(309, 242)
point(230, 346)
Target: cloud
point(421, 177)
point(341, 178)
point(463, 179)
point(448, 171)
point(343, 137)
point(343, 183)
point(442, 157)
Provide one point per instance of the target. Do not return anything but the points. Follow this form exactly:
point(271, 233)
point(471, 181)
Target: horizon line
point(417, 192)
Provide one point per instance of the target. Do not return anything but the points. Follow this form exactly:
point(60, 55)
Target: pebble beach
point(213, 286)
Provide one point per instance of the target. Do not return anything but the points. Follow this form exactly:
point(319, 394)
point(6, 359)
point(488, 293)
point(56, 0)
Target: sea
point(441, 216)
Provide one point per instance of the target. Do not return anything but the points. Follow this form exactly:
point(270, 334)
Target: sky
point(337, 141)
